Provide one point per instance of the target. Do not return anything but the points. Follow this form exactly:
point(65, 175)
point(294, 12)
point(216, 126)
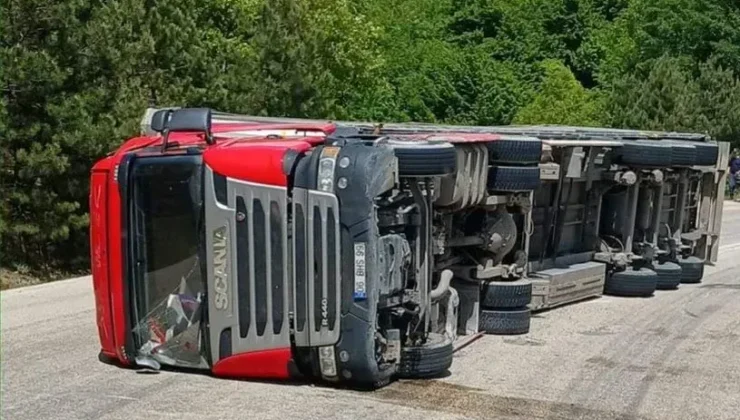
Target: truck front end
point(268, 256)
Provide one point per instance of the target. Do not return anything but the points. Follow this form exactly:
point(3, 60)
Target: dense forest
point(76, 76)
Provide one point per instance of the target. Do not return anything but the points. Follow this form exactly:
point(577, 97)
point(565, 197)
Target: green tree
point(75, 79)
point(432, 74)
point(719, 96)
point(529, 31)
point(315, 58)
point(648, 29)
point(664, 98)
point(417, 67)
point(672, 94)
point(561, 99)
point(37, 206)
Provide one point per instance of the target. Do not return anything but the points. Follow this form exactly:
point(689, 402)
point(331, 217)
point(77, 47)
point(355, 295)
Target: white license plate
point(360, 290)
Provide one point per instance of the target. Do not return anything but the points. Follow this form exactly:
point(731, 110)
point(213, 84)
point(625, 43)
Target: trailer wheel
point(424, 159)
point(505, 321)
point(669, 275)
point(513, 178)
point(506, 294)
point(706, 153)
point(646, 153)
point(513, 150)
point(682, 154)
point(632, 283)
point(692, 269)
point(429, 360)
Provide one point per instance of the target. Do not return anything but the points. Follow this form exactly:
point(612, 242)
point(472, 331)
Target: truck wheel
point(706, 153)
point(428, 360)
point(682, 154)
point(692, 269)
point(669, 275)
point(423, 159)
point(641, 282)
point(505, 321)
point(506, 294)
point(646, 153)
point(513, 178)
point(515, 150)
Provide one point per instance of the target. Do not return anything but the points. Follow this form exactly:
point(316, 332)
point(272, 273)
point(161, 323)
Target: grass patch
point(22, 277)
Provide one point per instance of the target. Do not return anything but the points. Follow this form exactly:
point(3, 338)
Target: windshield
point(168, 283)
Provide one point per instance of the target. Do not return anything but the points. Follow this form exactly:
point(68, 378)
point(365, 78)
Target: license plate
point(360, 292)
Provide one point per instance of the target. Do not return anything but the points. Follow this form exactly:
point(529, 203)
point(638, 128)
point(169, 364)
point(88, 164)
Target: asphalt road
point(673, 356)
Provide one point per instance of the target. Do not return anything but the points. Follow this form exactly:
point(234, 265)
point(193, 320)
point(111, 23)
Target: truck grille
point(316, 241)
point(257, 283)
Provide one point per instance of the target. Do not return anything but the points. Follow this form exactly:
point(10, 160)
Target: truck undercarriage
point(356, 253)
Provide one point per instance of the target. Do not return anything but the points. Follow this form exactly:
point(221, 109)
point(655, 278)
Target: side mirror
point(188, 120)
point(160, 120)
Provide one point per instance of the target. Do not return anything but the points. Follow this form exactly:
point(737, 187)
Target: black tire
point(421, 159)
point(682, 154)
point(692, 269)
point(706, 153)
point(631, 283)
point(513, 178)
point(515, 150)
point(506, 294)
point(429, 360)
point(505, 321)
point(646, 153)
point(669, 275)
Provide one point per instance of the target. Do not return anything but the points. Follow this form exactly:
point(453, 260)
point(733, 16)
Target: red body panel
point(267, 364)
point(105, 230)
point(254, 160)
point(137, 143)
point(99, 259)
point(115, 261)
point(220, 127)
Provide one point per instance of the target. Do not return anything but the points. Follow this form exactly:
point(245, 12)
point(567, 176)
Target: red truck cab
point(224, 247)
point(146, 239)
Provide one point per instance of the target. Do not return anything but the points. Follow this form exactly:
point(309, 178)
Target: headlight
point(327, 163)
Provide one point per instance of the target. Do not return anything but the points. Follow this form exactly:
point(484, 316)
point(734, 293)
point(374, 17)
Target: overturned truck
point(356, 253)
